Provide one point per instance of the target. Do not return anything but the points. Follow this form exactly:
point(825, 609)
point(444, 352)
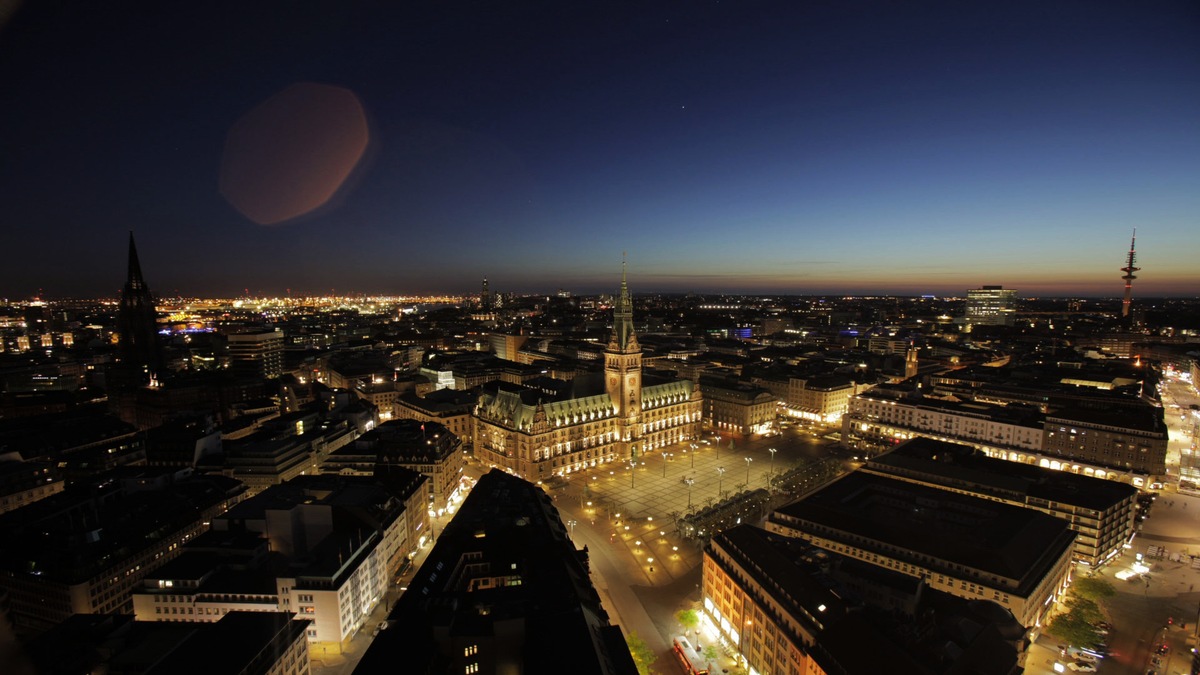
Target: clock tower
point(623, 375)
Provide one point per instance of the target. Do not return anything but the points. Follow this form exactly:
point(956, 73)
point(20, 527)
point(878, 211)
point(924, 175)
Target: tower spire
point(1129, 269)
point(137, 327)
point(623, 338)
point(134, 279)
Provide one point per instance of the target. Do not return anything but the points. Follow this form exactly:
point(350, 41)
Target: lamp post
point(694, 446)
point(720, 479)
point(666, 458)
point(632, 471)
point(772, 472)
point(689, 480)
point(748, 460)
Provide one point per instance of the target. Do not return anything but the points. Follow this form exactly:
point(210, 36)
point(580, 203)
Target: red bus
point(689, 657)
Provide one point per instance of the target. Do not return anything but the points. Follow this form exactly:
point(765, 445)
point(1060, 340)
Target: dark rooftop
point(965, 464)
point(995, 538)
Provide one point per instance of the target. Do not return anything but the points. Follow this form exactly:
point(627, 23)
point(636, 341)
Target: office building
point(1125, 441)
point(324, 547)
point(1101, 511)
point(241, 643)
point(258, 354)
point(86, 549)
point(504, 590)
point(736, 408)
point(425, 447)
point(787, 607)
point(963, 545)
point(991, 306)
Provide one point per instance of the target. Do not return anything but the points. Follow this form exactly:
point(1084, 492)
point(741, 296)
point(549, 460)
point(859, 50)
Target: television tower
point(1129, 269)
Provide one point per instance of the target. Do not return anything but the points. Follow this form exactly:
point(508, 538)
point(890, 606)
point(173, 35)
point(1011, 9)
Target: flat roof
point(965, 464)
point(1008, 541)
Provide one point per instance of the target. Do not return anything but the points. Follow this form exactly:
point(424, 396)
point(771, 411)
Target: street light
point(632, 471)
point(720, 479)
point(694, 446)
point(748, 460)
point(690, 481)
point(772, 472)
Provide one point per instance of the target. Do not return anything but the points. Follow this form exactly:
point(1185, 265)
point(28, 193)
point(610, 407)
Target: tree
point(688, 618)
point(710, 653)
point(1092, 588)
point(1085, 609)
point(1071, 627)
point(642, 656)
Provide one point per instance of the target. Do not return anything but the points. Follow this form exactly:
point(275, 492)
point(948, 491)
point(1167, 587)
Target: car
point(1085, 657)
point(1082, 667)
point(1162, 649)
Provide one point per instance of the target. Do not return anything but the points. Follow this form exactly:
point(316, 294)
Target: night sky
point(737, 146)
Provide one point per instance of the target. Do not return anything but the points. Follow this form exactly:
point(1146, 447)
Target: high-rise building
point(485, 296)
point(139, 353)
point(991, 306)
point(257, 354)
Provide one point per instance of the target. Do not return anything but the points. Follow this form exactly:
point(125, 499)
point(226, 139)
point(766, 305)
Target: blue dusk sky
point(740, 146)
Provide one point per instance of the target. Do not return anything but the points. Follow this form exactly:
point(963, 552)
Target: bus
point(689, 657)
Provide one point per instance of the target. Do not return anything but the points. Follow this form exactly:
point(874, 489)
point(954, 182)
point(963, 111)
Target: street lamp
point(748, 460)
point(772, 472)
point(720, 479)
point(694, 446)
point(632, 471)
point(690, 481)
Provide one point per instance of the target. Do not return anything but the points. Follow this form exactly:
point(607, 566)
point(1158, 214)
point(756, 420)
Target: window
point(472, 668)
point(471, 651)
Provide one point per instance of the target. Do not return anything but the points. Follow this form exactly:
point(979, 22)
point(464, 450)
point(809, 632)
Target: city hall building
point(557, 427)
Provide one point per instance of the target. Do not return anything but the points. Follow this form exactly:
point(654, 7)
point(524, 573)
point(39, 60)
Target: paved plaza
point(637, 507)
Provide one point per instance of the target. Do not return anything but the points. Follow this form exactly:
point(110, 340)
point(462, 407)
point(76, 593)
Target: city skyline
point(756, 148)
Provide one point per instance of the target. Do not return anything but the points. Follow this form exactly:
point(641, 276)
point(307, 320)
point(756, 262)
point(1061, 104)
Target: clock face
point(613, 380)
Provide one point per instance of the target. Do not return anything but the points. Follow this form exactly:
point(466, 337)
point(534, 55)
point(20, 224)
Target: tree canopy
point(688, 618)
point(1092, 588)
point(643, 657)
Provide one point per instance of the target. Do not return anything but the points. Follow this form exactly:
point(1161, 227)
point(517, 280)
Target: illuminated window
point(471, 651)
point(472, 668)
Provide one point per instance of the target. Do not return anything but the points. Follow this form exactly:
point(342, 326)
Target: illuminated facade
point(732, 407)
point(766, 604)
point(821, 399)
point(1100, 444)
point(257, 354)
point(539, 432)
point(1127, 440)
point(323, 548)
point(991, 306)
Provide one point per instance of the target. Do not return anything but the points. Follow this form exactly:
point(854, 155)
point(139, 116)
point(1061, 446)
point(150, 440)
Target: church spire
point(137, 321)
point(134, 281)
